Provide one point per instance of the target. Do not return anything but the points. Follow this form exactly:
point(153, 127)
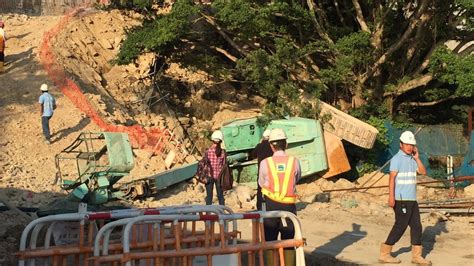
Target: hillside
point(347, 229)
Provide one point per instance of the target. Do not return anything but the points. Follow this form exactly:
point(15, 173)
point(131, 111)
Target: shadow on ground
point(428, 239)
point(327, 253)
point(63, 133)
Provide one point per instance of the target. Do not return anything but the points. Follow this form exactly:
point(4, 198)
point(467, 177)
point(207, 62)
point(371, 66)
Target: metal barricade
point(147, 240)
point(78, 252)
point(178, 251)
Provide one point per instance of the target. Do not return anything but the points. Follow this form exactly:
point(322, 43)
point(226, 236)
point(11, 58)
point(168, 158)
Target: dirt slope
point(349, 228)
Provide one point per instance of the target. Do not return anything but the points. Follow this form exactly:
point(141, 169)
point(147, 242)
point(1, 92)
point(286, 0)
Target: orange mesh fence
point(139, 136)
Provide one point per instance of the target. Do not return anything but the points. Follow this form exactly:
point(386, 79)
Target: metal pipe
point(459, 179)
point(454, 211)
point(457, 206)
point(447, 201)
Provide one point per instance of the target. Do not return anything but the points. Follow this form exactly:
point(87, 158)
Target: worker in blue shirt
point(402, 198)
point(48, 104)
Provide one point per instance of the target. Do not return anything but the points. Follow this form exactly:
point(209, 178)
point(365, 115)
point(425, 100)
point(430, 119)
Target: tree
point(376, 58)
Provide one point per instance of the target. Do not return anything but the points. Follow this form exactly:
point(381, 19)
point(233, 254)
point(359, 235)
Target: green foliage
point(371, 110)
point(436, 94)
point(376, 116)
point(351, 58)
point(160, 34)
point(285, 55)
point(468, 16)
point(249, 19)
point(269, 73)
point(454, 70)
point(133, 4)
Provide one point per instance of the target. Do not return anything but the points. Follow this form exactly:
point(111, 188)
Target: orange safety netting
point(139, 137)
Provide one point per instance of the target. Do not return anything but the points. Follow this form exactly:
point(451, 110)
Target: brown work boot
point(385, 256)
point(416, 257)
point(2, 67)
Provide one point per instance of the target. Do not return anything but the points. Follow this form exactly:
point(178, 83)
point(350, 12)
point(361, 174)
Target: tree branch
point(410, 85)
point(318, 27)
point(463, 42)
point(413, 44)
point(426, 61)
point(225, 53)
point(430, 103)
point(224, 35)
point(360, 16)
point(416, 20)
point(339, 14)
point(469, 49)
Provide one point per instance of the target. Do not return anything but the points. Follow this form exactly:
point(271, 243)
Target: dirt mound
point(87, 47)
point(27, 164)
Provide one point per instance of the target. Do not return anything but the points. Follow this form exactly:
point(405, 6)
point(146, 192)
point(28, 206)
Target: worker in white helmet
point(260, 152)
point(217, 158)
point(47, 107)
point(402, 198)
point(278, 176)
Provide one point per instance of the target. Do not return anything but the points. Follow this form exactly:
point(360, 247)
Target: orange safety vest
point(281, 175)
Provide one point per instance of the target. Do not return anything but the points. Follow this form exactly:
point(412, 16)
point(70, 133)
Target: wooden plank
point(336, 155)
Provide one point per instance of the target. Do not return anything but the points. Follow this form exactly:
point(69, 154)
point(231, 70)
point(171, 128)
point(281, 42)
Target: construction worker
point(217, 159)
point(261, 151)
point(3, 40)
point(402, 198)
point(277, 176)
point(48, 104)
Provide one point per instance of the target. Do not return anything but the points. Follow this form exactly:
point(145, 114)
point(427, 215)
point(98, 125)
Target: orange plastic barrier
point(139, 137)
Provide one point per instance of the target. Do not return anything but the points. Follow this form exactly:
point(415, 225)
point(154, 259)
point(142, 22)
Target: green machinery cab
point(305, 141)
point(101, 160)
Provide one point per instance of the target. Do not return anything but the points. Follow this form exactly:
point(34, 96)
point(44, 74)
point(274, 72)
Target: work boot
point(2, 67)
point(385, 256)
point(416, 257)
point(290, 257)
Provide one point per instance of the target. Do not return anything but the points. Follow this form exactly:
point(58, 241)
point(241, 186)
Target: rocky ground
point(348, 228)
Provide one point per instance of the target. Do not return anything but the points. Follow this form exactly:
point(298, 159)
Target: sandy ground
point(333, 230)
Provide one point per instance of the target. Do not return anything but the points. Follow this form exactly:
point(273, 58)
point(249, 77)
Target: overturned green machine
point(305, 141)
point(93, 164)
point(91, 167)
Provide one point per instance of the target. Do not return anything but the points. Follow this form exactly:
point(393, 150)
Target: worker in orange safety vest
point(278, 176)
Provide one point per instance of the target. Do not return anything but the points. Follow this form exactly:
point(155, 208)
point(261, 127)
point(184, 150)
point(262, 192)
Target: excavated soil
point(346, 230)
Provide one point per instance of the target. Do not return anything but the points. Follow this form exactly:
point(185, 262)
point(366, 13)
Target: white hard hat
point(44, 87)
point(407, 137)
point(217, 136)
point(266, 133)
point(277, 134)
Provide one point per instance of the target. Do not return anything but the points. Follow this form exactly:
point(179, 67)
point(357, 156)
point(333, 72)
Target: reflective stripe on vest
point(273, 191)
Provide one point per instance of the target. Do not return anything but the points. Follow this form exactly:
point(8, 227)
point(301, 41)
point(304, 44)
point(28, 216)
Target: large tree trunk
point(418, 18)
point(357, 97)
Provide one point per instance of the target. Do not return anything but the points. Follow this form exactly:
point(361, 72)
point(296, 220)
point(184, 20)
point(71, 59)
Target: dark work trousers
point(45, 124)
point(209, 192)
point(261, 152)
point(274, 226)
point(259, 196)
point(411, 218)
